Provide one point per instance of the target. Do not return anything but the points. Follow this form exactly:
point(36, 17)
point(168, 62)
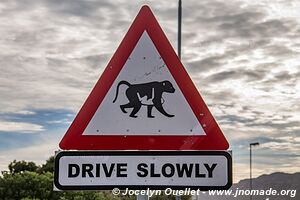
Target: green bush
point(28, 181)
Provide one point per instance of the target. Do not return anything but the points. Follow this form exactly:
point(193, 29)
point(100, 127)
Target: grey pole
point(251, 144)
point(178, 197)
point(142, 197)
point(179, 28)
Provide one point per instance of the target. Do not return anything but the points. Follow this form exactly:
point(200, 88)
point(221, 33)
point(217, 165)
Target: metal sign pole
point(179, 29)
point(178, 197)
point(142, 197)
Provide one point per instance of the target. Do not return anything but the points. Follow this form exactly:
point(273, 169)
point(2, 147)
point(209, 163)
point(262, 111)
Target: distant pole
point(251, 144)
point(178, 197)
point(250, 171)
point(179, 28)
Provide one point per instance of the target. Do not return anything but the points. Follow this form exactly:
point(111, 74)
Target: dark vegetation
point(29, 181)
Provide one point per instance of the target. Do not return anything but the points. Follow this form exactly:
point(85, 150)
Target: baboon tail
point(117, 92)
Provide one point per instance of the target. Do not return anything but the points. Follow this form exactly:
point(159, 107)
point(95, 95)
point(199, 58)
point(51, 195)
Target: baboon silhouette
point(152, 91)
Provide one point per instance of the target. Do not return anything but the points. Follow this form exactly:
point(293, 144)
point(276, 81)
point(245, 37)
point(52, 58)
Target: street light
point(179, 28)
point(251, 144)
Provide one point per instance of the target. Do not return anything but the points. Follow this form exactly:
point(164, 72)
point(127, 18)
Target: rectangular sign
point(104, 170)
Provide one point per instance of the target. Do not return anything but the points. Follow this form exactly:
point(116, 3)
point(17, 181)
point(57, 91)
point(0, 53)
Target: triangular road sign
point(144, 100)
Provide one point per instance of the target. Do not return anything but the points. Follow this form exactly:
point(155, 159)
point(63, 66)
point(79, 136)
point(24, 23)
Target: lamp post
point(251, 144)
point(178, 197)
point(179, 28)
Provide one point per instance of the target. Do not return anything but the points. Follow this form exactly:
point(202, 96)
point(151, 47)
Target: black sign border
point(145, 153)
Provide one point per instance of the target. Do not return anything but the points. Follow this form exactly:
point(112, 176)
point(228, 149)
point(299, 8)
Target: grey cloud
point(219, 96)
point(222, 76)
point(262, 121)
point(283, 78)
point(281, 126)
point(205, 64)
point(240, 19)
point(284, 75)
point(232, 21)
point(245, 47)
point(268, 28)
point(248, 27)
point(267, 66)
point(94, 61)
point(234, 119)
point(248, 75)
point(279, 51)
point(244, 23)
point(255, 75)
point(167, 12)
point(77, 7)
point(217, 61)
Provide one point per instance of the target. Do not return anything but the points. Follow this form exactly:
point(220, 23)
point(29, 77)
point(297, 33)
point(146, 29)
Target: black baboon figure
point(153, 93)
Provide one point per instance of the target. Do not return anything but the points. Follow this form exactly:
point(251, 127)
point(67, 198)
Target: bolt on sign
point(144, 100)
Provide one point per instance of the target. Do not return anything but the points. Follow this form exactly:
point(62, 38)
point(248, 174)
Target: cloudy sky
point(243, 56)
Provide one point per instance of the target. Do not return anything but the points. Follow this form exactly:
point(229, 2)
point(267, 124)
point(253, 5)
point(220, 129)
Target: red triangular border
point(74, 140)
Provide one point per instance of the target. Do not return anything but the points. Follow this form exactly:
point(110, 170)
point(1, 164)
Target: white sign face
point(143, 169)
point(144, 99)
